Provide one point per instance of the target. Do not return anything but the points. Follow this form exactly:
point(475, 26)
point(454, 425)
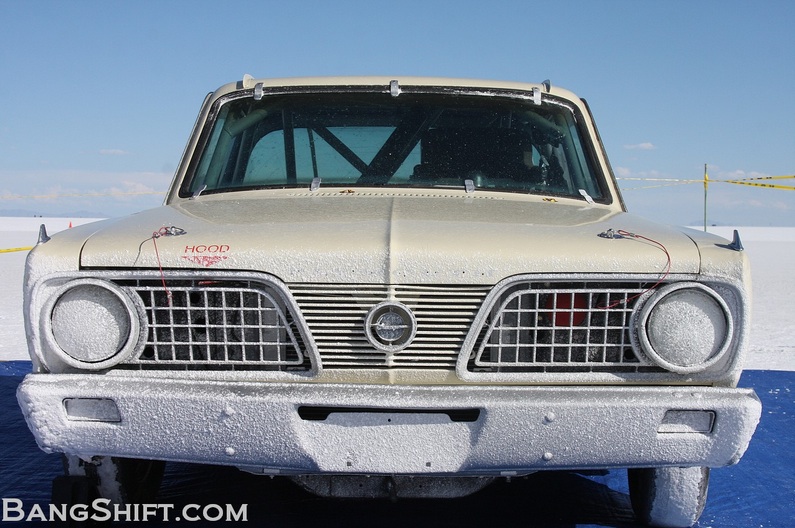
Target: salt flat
point(770, 249)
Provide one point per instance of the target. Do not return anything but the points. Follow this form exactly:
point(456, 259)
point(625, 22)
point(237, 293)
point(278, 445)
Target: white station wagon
point(385, 287)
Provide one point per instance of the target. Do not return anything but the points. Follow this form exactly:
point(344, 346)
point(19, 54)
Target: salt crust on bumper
point(519, 429)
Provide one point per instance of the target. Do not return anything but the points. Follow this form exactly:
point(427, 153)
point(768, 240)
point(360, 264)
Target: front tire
point(121, 480)
point(669, 497)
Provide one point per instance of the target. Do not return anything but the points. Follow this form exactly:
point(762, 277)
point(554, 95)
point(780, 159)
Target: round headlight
point(685, 328)
point(92, 323)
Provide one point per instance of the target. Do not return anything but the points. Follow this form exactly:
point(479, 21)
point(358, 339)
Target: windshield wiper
point(199, 192)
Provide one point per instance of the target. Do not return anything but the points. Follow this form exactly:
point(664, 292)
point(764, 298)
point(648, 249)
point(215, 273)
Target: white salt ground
point(770, 249)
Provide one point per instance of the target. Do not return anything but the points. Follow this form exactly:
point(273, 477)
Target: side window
point(579, 164)
point(213, 157)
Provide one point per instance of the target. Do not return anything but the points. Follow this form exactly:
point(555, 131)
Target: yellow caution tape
point(11, 250)
point(661, 180)
point(751, 182)
point(766, 185)
point(765, 178)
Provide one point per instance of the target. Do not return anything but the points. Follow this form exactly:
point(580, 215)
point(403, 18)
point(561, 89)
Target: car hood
point(360, 237)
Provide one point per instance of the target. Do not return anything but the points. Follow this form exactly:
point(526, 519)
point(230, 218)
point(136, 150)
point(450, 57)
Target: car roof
point(249, 82)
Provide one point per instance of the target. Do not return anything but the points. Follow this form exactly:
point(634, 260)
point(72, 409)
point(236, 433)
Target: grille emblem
point(390, 326)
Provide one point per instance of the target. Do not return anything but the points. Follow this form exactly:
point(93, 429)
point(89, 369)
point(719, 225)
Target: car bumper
point(281, 428)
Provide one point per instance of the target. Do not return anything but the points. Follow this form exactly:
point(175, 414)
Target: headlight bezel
point(132, 308)
point(653, 300)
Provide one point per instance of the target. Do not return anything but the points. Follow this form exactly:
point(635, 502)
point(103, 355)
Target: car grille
point(525, 326)
point(335, 315)
point(549, 327)
point(217, 325)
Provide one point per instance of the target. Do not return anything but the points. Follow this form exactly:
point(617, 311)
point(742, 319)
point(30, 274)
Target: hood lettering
point(206, 254)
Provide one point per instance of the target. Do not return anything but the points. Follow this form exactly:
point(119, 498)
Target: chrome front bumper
point(304, 428)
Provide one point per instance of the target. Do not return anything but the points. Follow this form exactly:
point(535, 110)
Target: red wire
point(662, 278)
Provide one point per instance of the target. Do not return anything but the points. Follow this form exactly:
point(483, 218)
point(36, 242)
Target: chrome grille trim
point(532, 326)
point(335, 315)
point(220, 321)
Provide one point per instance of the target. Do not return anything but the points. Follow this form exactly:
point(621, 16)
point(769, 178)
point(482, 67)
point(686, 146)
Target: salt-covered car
point(391, 287)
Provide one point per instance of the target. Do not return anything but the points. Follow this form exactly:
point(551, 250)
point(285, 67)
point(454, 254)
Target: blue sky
point(99, 97)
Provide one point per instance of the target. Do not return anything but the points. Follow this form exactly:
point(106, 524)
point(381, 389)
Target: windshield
point(375, 140)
